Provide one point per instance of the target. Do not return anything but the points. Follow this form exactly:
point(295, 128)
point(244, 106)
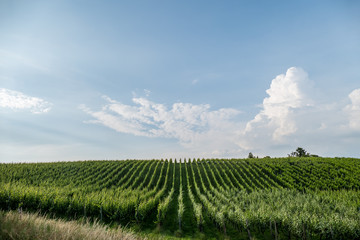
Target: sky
point(88, 80)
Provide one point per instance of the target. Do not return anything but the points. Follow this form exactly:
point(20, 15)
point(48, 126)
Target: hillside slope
point(238, 199)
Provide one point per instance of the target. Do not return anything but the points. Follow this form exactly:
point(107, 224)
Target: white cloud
point(287, 93)
point(195, 81)
point(353, 109)
point(147, 92)
point(288, 118)
point(193, 125)
point(18, 101)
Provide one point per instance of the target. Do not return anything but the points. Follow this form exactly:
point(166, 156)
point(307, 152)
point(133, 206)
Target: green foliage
point(163, 206)
point(313, 197)
point(300, 152)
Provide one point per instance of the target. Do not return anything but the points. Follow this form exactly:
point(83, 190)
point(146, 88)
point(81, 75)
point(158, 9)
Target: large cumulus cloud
point(353, 109)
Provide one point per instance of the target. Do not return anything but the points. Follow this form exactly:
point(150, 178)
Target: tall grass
point(25, 226)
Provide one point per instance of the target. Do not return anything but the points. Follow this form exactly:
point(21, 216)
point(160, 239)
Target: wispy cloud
point(191, 124)
point(9, 60)
point(195, 81)
point(18, 101)
point(147, 92)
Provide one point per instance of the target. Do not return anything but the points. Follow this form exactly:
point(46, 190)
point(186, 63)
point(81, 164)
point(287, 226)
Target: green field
point(284, 198)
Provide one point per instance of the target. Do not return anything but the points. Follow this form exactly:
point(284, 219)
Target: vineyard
point(284, 198)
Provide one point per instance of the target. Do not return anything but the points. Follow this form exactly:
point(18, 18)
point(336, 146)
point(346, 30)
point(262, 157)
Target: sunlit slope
point(299, 197)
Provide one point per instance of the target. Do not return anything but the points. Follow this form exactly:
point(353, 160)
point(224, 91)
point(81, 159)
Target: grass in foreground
point(26, 226)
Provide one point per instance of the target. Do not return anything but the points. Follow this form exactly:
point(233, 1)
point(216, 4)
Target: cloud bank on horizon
point(287, 115)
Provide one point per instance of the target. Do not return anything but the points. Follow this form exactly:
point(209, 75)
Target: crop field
point(283, 198)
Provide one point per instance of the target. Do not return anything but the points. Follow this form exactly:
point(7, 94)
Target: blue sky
point(157, 79)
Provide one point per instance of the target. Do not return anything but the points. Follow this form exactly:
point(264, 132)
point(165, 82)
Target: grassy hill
point(285, 198)
point(15, 225)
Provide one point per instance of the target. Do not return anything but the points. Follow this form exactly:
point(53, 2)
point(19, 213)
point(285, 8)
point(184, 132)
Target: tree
point(250, 155)
point(300, 152)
